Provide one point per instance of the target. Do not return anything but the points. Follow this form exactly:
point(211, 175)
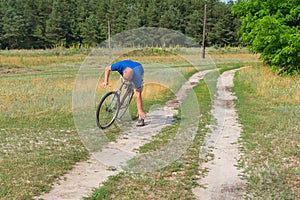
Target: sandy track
point(222, 181)
point(85, 176)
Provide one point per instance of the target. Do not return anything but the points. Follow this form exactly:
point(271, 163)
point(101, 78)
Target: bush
point(272, 29)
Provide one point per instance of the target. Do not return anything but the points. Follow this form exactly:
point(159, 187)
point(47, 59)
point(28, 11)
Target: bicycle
point(114, 104)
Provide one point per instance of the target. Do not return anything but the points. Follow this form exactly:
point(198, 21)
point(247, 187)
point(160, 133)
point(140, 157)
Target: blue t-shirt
point(137, 68)
point(120, 66)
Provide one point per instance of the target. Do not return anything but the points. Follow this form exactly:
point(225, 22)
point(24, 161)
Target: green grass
point(270, 135)
point(31, 159)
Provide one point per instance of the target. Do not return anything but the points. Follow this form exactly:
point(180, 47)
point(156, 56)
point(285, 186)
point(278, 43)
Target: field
point(269, 111)
point(39, 141)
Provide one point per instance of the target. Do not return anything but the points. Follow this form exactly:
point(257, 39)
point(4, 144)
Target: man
point(131, 71)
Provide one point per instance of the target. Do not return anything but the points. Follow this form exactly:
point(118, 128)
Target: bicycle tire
point(124, 104)
point(107, 110)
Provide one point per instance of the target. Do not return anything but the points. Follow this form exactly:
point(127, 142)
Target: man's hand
point(104, 84)
point(141, 114)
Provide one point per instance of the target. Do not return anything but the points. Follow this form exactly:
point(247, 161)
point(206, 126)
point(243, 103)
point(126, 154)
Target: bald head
point(127, 74)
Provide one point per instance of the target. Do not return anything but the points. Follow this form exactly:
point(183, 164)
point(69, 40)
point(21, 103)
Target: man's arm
point(106, 76)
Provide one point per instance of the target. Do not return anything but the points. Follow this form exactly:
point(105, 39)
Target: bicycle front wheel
point(107, 110)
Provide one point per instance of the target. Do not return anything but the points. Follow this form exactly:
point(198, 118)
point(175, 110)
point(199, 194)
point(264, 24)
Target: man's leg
point(139, 104)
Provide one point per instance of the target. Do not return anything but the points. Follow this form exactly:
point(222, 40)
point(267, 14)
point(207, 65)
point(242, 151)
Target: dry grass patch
point(24, 61)
point(244, 56)
point(283, 90)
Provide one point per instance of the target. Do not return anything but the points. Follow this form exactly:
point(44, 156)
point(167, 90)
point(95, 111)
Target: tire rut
point(222, 182)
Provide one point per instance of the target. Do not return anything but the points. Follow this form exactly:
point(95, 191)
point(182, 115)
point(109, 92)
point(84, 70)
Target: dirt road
point(222, 181)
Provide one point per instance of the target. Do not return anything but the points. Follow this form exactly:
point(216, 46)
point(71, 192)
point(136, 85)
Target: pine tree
point(15, 26)
point(152, 14)
point(194, 27)
point(54, 25)
point(133, 18)
point(48, 23)
point(90, 31)
point(170, 18)
point(61, 27)
point(1, 24)
point(42, 13)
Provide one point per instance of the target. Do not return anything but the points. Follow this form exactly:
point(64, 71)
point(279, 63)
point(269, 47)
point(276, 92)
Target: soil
point(222, 181)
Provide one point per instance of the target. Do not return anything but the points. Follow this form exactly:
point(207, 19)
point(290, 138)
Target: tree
point(55, 31)
point(194, 27)
point(152, 14)
point(170, 18)
point(49, 23)
point(272, 29)
point(90, 31)
point(133, 18)
point(1, 24)
point(225, 27)
point(15, 26)
point(39, 16)
point(61, 25)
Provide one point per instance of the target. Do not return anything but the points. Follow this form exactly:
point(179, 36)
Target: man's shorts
point(137, 78)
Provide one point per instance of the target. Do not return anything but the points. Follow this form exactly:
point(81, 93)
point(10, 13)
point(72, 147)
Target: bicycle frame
point(129, 91)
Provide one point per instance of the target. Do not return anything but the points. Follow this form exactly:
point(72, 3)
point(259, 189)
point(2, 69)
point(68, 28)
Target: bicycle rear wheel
point(107, 110)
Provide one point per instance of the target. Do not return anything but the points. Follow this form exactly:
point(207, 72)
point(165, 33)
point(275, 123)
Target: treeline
point(48, 23)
